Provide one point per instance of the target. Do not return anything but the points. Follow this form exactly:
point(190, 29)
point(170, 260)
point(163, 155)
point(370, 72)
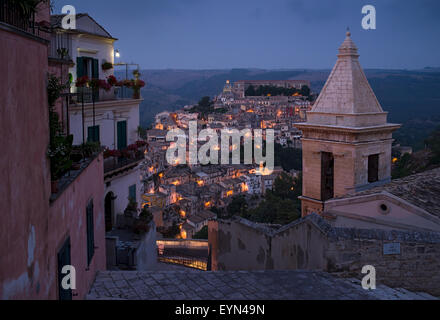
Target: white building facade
point(109, 117)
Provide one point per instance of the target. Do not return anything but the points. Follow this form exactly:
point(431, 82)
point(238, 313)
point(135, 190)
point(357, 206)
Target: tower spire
point(346, 136)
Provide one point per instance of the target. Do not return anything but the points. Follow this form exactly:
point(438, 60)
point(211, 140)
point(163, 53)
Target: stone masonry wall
point(312, 244)
point(416, 267)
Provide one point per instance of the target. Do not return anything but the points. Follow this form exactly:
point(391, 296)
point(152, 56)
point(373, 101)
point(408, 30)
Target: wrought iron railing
point(114, 163)
point(88, 95)
point(14, 14)
point(60, 46)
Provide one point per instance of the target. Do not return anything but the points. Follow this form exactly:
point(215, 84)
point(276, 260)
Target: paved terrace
point(236, 285)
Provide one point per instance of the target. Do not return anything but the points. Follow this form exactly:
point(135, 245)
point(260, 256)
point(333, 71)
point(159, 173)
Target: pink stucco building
point(40, 232)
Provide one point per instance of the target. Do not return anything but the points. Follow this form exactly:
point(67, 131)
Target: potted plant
point(106, 66)
point(88, 149)
point(112, 81)
point(60, 146)
point(137, 85)
point(59, 155)
point(62, 53)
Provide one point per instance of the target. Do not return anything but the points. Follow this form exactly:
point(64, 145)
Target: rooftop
point(347, 90)
point(421, 189)
point(237, 285)
point(85, 24)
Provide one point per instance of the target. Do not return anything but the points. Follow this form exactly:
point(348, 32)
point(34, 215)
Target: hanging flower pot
point(107, 66)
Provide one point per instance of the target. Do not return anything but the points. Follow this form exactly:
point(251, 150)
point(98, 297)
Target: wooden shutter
point(97, 134)
point(95, 68)
point(132, 192)
point(90, 233)
point(80, 72)
point(90, 134)
point(122, 135)
point(93, 134)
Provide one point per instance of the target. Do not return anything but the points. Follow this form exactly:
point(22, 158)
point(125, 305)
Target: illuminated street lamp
point(117, 54)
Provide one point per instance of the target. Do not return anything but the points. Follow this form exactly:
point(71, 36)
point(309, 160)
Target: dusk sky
point(223, 34)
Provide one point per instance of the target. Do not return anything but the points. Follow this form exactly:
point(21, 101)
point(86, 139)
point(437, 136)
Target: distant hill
point(412, 97)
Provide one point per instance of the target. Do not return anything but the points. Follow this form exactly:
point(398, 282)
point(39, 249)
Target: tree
point(142, 132)
point(288, 158)
point(205, 102)
point(237, 207)
point(280, 206)
point(250, 91)
point(433, 143)
point(305, 91)
point(284, 187)
point(202, 234)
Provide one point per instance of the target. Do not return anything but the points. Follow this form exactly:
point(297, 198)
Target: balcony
point(22, 18)
point(117, 162)
point(89, 95)
point(70, 175)
point(60, 46)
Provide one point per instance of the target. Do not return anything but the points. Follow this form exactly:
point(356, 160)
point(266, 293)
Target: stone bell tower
point(346, 139)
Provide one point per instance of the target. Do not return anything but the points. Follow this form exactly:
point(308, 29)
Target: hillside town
point(107, 203)
point(189, 191)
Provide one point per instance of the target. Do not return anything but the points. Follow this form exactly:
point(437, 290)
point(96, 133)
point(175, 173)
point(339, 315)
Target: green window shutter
point(80, 67)
point(93, 134)
point(90, 233)
point(90, 134)
point(97, 134)
point(95, 68)
point(122, 135)
point(132, 192)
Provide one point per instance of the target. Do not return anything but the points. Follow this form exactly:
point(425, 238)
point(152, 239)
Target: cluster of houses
point(189, 192)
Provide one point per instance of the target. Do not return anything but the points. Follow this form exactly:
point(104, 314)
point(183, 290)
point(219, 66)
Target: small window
point(384, 208)
point(327, 176)
point(90, 233)
point(373, 168)
point(132, 193)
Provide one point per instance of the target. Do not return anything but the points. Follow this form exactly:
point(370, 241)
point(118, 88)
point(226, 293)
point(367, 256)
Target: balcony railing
point(113, 164)
point(13, 14)
point(60, 46)
point(88, 95)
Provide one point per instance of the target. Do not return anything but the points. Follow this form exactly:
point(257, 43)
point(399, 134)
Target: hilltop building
point(241, 86)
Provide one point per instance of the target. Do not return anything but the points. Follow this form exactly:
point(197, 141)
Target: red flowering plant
point(112, 153)
point(137, 84)
point(94, 83)
point(102, 84)
point(127, 83)
point(132, 147)
point(126, 153)
point(82, 81)
point(111, 80)
point(141, 143)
